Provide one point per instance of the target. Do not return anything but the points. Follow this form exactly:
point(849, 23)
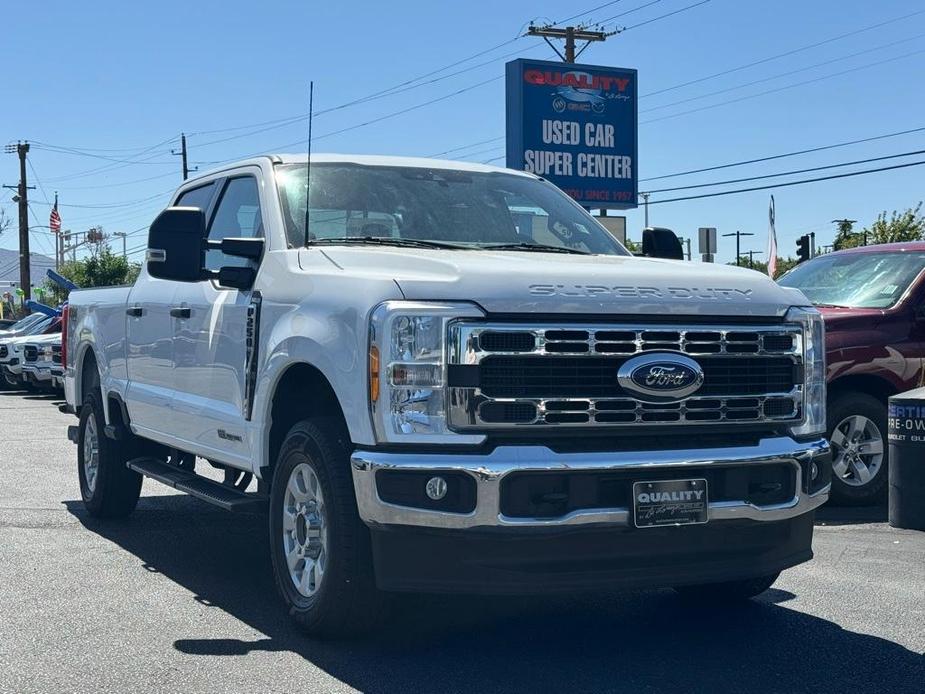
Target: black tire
point(347, 600)
point(842, 406)
point(115, 490)
point(728, 591)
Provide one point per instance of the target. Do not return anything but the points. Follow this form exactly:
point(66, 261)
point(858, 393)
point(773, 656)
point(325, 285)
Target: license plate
point(670, 502)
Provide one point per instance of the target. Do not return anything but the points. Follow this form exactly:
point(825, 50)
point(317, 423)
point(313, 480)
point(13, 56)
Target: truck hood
point(527, 282)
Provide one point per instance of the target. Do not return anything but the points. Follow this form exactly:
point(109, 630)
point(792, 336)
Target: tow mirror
point(658, 242)
point(236, 277)
point(175, 244)
point(242, 247)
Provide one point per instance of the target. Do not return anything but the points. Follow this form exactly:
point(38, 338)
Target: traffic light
point(803, 248)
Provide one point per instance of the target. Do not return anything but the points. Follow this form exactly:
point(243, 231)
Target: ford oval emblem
point(660, 376)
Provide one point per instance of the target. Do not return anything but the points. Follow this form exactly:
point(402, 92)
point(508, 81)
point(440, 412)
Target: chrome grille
point(508, 375)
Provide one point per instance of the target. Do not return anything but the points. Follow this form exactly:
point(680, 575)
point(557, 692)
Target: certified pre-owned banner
point(576, 126)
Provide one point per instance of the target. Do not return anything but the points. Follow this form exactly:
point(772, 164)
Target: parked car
point(11, 350)
point(38, 361)
point(438, 394)
point(873, 301)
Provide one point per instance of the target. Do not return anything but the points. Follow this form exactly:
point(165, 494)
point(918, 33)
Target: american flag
point(54, 219)
point(772, 242)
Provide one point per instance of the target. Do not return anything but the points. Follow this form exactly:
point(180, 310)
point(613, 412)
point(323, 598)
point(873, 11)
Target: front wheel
point(319, 547)
point(857, 431)
point(728, 591)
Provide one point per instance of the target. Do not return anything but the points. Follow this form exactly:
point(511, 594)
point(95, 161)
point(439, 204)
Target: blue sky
point(117, 81)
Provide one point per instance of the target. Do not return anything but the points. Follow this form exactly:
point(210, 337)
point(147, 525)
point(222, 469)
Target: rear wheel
point(728, 591)
point(857, 431)
point(319, 547)
point(108, 488)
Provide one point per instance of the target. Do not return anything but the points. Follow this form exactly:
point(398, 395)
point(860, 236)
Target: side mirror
point(658, 242)
point(175, 244)
point(236, 277)
point(242, 247)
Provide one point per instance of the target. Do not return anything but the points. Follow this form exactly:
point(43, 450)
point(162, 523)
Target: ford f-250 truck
point(453, 380)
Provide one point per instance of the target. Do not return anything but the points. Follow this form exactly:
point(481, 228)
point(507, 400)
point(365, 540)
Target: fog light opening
point(813, 472)
point(435, 488)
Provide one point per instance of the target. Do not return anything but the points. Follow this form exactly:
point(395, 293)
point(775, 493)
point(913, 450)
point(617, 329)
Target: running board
point(200, 487)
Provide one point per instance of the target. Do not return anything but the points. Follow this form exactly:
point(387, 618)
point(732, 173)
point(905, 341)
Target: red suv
point(873, 302)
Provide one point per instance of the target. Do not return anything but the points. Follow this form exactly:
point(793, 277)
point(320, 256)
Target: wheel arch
point(302, 391)
point(879, 388)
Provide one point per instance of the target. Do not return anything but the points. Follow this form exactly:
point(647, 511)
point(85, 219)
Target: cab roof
point(366, 160)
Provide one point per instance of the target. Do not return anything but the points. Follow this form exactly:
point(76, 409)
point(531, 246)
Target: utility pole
point(123, 235)
point(569, 35)
point(739, 235)
point(25, 279)
point(645, 202)
point(183, 154)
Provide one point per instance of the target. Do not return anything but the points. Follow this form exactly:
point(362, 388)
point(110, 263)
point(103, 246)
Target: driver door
point(210, 335)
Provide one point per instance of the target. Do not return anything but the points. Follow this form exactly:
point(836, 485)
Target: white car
point(447, 376)
point(37, 360)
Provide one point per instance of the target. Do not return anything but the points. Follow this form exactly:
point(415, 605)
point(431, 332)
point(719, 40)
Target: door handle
point(180, 312)
point(134, 311)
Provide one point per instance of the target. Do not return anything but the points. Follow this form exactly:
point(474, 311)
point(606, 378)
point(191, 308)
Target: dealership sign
point(575, 125)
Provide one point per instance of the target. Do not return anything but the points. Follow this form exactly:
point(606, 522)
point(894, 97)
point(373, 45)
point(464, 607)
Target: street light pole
point(739, 235)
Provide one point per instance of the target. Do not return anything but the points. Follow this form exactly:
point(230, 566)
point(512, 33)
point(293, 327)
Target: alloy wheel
point(305, 535)
point(857, 448)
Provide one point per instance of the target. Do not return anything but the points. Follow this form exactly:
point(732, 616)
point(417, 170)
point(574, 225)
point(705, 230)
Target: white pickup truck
point(454, 380)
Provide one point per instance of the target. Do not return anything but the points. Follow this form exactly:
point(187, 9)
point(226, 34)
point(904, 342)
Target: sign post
point(706, 245)
point(575, 125)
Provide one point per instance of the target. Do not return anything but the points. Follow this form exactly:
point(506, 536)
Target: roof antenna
point(308, 161)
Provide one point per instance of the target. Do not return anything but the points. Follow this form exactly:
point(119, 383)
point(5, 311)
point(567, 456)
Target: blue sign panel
point(575, 125)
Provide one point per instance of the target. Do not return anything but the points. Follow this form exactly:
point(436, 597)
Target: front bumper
point(37, 373)
point(489, 470)
point(487, 551)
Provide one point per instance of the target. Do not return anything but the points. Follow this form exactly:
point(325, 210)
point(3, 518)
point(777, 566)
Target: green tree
point(905, 226)
point(846, 236)
point(102, 269)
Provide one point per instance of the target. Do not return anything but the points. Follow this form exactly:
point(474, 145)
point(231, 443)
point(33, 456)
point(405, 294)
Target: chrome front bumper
point(489, 469)
point(39, 373)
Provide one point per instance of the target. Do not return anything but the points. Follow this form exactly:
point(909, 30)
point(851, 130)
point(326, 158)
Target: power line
point(665, 16)
point(789, 183)
point(785, 155)
point(784, 55)
point(783, 74)
point(789, 173)
point(97, 149)
point(582, 14)
point(471, 144)
point(293, 120)
point(635, 9)
point(783, 88)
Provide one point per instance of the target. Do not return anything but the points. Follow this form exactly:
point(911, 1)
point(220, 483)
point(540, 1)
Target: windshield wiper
point(825, 305)
point(386, 241)
point(535, 247)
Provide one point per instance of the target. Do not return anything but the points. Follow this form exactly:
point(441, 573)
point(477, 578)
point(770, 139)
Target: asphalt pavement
point(179, 598)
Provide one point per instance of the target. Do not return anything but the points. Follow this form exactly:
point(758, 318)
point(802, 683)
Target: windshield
point(856, 280)
point(23, 323)
point(441, 207)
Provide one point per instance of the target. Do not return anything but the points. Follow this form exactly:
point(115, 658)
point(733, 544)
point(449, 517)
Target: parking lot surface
point(179, 598)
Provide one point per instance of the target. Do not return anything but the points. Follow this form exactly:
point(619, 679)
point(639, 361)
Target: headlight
point(814, 418)
point(407, 371)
